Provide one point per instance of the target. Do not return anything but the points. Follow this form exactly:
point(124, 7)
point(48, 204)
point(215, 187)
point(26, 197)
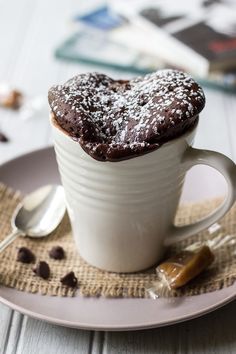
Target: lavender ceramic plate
point(37, 168)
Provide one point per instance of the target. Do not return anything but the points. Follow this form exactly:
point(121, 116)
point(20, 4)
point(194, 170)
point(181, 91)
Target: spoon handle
point(9, 239)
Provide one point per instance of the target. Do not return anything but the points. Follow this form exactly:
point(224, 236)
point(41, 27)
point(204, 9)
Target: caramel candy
point(181, 268)
point(11, 99)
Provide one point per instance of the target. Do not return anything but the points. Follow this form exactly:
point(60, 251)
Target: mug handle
point(227, 168)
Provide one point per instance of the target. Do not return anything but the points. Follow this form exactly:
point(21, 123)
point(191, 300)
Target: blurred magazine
point(103, 38)
point(198, 35)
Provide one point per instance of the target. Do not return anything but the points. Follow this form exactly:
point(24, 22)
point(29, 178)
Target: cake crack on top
point(119, 119)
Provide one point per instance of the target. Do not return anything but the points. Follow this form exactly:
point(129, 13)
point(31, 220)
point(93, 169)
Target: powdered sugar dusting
point(107, 115)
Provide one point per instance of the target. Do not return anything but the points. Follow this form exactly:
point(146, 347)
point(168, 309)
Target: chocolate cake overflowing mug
point(123, 148)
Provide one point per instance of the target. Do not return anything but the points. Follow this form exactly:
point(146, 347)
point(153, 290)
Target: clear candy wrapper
point(179, 269)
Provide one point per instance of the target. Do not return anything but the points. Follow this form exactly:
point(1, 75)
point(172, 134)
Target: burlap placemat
point(93, 282)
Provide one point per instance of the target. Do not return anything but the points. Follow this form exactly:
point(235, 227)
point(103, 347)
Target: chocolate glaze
point(119, 119)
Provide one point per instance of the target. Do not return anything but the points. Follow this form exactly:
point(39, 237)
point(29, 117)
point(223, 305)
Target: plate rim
point(112, 328)
point(72, 324)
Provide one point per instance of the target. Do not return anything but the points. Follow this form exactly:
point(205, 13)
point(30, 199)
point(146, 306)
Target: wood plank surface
point(29, 32)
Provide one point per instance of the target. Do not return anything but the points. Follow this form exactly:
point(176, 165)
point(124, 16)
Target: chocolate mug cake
point(120, 119)
point(122, 212)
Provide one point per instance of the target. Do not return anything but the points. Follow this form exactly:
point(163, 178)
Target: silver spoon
point(38, 214)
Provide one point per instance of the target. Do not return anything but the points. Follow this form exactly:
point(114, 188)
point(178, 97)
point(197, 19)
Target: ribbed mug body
point(120, 212)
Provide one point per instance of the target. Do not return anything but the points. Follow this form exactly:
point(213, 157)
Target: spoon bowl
point(39, 213)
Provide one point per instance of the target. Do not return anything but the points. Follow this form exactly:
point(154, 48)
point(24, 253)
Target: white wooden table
point(29, 31)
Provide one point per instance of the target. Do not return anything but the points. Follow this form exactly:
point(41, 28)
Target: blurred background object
point(141, 36)
point(32, 38)
point(42, 45)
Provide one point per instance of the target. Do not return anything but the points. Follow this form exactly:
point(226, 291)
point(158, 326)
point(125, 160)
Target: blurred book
point(93, 43)
point(100, 18)
point(197, 35)
point(103, 37)
point(93, 47)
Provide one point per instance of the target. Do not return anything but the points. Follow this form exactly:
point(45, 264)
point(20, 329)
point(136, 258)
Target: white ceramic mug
point(122, 213)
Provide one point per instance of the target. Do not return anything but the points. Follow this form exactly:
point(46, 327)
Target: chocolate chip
point(3, 138)
point(25, 255)
point(57, 252)
point(42, 270)
point(69, 280)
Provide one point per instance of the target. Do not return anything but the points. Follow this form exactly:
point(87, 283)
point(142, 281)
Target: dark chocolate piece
point(69, 280)
point(57, 252)
point(42, 270)
point(3, 138)
point(119, 119)
point(25, 255)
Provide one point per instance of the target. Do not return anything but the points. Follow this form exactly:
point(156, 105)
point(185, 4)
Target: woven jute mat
point(94, 282)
